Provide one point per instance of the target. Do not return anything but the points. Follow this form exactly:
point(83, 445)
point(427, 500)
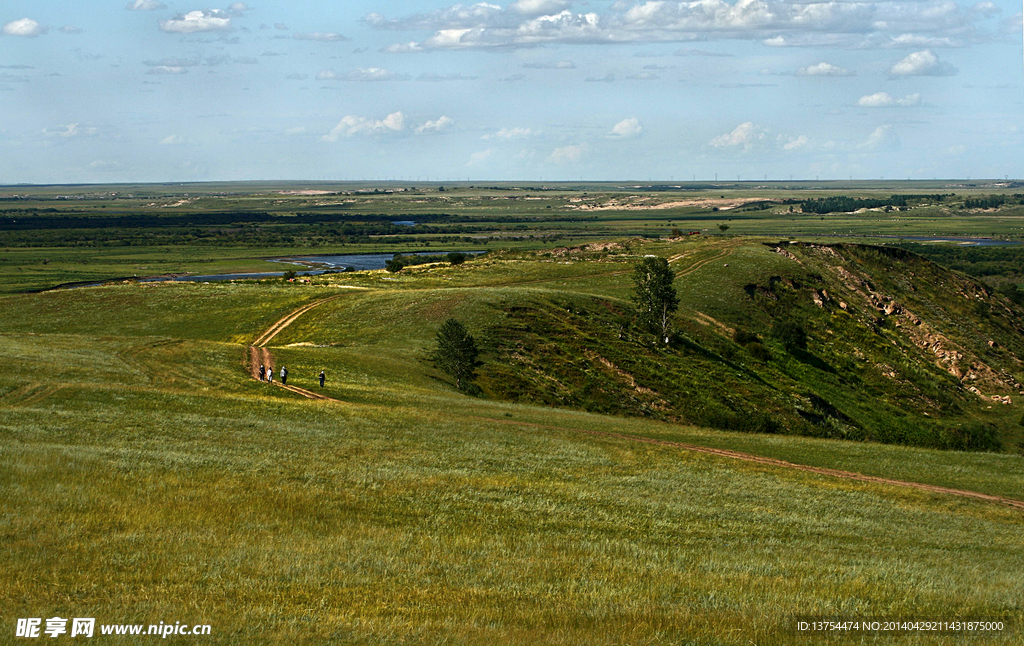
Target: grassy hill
point(899, 350)
point(145, 477)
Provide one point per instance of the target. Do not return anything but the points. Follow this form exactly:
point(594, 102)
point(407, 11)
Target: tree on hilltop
point(655, 296)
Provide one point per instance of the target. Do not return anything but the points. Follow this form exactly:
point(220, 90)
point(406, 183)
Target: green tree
point(655, 296)
point(723, 227)
point(456, 352)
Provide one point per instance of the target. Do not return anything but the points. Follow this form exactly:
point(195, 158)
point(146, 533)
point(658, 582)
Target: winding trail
point(724, 253)
point(258, 354)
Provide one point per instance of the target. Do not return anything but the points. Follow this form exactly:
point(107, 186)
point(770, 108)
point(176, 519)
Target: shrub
point(456, 257)
point(790, 334)
point(758, 351)
point(744, 336)
point(970, 437)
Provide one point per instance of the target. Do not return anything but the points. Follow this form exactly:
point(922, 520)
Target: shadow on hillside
point(803, 356)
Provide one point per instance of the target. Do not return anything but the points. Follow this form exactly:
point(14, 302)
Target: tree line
point(846, 204)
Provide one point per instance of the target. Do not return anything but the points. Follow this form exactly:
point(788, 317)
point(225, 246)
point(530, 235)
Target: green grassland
point(145, 477)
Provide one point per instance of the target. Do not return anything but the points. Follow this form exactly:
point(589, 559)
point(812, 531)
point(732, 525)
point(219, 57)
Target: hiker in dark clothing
point(284, 375)
point(263, 373)
point(322, 377)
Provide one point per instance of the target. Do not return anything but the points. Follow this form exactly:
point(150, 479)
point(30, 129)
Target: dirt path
point(724, 253)
point(259, 355)
point(30, 394)
point(288, 319)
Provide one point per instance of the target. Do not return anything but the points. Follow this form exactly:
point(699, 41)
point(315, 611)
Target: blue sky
point(151, 90)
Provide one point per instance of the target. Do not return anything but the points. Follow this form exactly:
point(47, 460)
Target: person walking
point(270, 376)
point(263, 373)
point(322, 378)
point(284, 376)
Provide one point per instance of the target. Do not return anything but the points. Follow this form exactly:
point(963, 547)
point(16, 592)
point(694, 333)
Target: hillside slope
point(899, 350)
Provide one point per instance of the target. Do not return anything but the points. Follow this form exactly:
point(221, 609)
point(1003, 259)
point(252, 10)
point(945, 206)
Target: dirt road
point(260, 355)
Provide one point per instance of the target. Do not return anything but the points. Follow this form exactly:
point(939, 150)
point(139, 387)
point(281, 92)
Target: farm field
point(147, 477)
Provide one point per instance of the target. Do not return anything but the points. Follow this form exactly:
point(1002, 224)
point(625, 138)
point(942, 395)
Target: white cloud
point(322, 36)
point(145, 5)
point(644, 76)
point(538, 7)
point(172, 140)
point(824, 69)
point(746, 135)
point(882, 139)
point(174, 62)
point(438, 125)
point(168, 69)
point(886, 100)
point(795, 144)
point(986, 9)
point(403, 48)
point(196, 21)
point(352, 125)
point(510, 133)
point(105, 166)
point(627, 128)
point(607, 78)
point(918, 40)
point(924, 63)
point(363, 74)
point(699, 52)
point(70, 130)
point(566, 154)
point(529, 23)
point(239, 6)
point(557, 65)
point(435, 78)
point(26, 28)
point(70, 29)
point(480, 157)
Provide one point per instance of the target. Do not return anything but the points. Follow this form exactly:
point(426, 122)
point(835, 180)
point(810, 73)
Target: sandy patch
point(617, 205)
